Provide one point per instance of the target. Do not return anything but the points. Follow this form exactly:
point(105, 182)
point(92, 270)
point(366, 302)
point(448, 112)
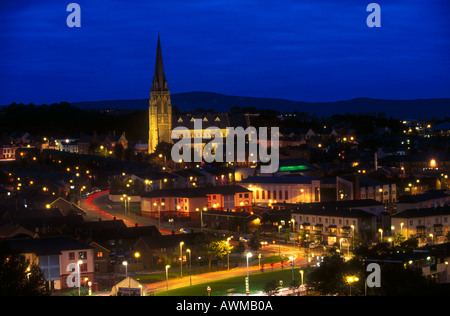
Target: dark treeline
point(63, 120)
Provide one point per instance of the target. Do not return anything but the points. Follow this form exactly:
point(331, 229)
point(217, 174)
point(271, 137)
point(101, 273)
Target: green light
point(293, 168)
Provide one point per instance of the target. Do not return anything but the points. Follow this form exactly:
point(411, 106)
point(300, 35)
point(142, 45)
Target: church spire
point(159, 78)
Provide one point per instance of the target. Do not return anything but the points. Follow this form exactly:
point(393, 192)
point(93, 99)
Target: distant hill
point(189, 101)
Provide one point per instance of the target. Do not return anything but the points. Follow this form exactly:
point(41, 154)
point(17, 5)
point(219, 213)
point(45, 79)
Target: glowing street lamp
point(167, 279)
point(79, 263)
point(125, 264)
point(350, 280)
point(181, 258)
point(190, 266)
point(433, 163)
point(249, 255)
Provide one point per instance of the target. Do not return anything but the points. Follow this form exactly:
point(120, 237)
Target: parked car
point(184, 230)
point(244, 239)
point(313, 245)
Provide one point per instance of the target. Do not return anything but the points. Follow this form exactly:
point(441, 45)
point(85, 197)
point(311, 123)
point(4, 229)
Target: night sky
point(315, 50)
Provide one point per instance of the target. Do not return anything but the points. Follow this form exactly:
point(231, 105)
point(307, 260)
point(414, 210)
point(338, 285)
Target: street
point(98, 206)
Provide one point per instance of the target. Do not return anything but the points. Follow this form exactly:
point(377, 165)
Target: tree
point(271, 288)
point(255, 241)
point(119, 151)
point(218, 249)
point(327, 279)
point(409, 244)
point(18, 277)
point(399, 238)
point(287, 234)
point(294, 285)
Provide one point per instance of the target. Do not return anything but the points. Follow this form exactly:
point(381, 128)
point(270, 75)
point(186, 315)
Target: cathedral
point(161, 121)
point(160, 107)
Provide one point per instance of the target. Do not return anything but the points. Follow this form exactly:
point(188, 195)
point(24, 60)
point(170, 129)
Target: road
point(219, 275)
point(98, 206)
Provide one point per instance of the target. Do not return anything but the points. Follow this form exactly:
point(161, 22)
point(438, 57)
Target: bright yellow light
point(433, 163)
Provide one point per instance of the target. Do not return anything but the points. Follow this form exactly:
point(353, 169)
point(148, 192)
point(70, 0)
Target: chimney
point(356, 190)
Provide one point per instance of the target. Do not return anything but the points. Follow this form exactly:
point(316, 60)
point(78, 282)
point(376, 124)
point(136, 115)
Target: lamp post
point(228, 253)
point(249, 255)
point(381, 232)
point(125, 264)
point(201, 218)
point(350, 280)
point(167, 279)
point(353, 236)
point(137, 255)
point(181, 258)
point(292, 260)
point(190, 267)
point(79, 276)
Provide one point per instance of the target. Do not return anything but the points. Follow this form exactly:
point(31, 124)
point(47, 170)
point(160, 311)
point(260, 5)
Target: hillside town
point(104, 211)
point(334, 183)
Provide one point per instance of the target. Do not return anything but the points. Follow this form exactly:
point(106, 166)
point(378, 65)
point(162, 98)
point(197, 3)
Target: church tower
point(160, 109)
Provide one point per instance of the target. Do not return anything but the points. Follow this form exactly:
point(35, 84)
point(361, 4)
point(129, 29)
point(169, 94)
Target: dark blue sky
point(315, 50)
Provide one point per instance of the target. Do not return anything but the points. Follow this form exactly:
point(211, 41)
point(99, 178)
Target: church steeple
point(160, 108)
point(159, 79)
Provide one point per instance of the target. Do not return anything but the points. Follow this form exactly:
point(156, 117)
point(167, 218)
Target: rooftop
point(424, 212)
point(197, 192)
point(47, 246)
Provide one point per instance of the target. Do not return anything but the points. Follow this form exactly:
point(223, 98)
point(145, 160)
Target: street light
point(381, 231)
point(350, 280)
point(292, 260)
point(125, 263)
point(79, 276)
point(190, 266)
point(181, 258)
point(201, 218)
point(167, 279)
point(249, 255)
point(301, 273)
point(137, 255)
point(228, 253)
